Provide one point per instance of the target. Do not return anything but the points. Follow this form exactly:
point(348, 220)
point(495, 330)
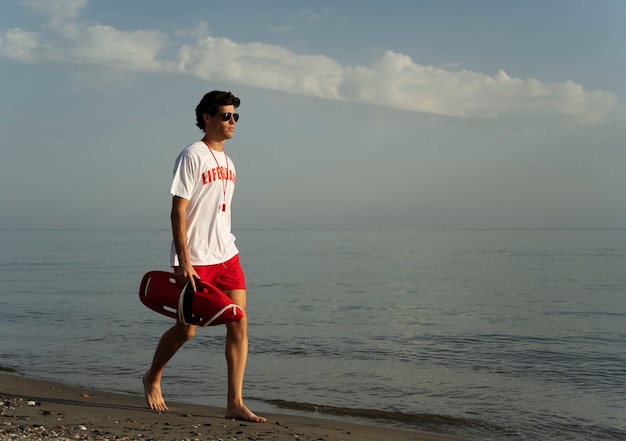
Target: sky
point(430, 114)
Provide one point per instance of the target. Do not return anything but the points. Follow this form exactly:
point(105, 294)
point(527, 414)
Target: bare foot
point(243, 414)
point(152, 391)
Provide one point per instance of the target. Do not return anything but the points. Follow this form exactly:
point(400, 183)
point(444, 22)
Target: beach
point(486, 335)
point(33, 409)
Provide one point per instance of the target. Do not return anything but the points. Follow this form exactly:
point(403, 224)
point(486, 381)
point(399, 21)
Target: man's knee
point(239, 329)
point(185, 332)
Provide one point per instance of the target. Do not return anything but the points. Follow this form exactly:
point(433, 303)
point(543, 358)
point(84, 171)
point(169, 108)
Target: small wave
point(451, 425)
point(424, 421)
point(7, 369)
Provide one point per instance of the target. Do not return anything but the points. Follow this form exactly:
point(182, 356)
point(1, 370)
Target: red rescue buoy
point(208, 306)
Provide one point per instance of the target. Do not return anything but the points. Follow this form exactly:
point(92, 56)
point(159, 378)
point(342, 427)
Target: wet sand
point(33, 409)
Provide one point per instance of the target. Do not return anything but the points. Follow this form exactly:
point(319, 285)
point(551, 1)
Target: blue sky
point(355, 114)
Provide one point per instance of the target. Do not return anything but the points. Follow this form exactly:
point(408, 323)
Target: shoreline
point(32, 409)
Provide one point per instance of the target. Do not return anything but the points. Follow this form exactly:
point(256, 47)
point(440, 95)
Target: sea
point(495, 335)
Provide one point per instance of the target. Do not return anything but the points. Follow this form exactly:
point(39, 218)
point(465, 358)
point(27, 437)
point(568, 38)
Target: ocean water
point(493, 335)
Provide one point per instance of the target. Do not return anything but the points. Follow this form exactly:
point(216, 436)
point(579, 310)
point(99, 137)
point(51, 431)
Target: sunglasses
point(227, 115)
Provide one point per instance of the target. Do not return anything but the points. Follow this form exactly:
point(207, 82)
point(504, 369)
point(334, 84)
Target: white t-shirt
point(206, 178)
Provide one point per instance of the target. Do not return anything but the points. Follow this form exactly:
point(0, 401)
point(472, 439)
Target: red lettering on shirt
point(218, 173)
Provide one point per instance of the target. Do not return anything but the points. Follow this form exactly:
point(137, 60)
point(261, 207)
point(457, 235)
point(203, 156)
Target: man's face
point(221, 125)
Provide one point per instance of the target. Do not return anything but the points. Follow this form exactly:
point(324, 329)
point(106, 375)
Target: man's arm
point(178, 216)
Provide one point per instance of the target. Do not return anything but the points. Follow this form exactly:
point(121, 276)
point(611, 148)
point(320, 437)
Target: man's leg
point(169, 344)
point(236, 358)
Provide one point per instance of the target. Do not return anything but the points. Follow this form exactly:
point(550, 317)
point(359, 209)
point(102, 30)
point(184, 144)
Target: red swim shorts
point(227, 276)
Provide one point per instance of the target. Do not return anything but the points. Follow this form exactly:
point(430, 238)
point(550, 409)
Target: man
point(204, 247)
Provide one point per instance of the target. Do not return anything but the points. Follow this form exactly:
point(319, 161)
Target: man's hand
point(188, 274)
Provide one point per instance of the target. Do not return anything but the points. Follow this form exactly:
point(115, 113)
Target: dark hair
point(211, 103)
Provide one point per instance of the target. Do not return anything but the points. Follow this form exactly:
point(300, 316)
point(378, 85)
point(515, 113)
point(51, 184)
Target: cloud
point(262, 65)
point(394, 80)
point(20, 45)
point(57, 11)
point(313, 16)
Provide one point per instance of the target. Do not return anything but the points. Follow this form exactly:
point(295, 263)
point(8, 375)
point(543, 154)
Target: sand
point(32, 409)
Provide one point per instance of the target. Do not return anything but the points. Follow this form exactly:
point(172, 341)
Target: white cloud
point(313, 16)
point(19, 45)
point(262, 65)
point(135, 50)
point(394, 80)
point(57, 11)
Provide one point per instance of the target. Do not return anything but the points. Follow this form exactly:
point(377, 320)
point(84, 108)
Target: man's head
point(211, 104)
